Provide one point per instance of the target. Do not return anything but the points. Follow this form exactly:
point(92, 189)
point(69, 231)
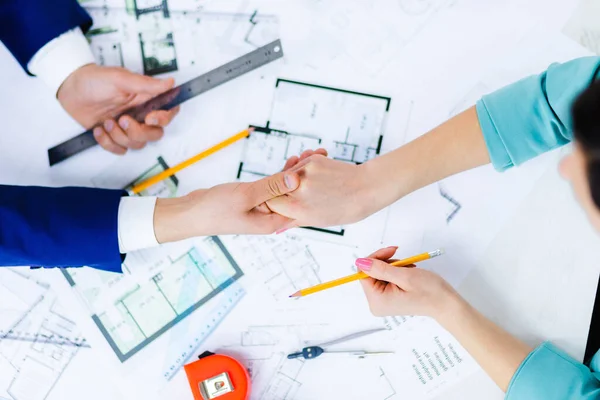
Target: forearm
point(456, 145)
point(495, 350)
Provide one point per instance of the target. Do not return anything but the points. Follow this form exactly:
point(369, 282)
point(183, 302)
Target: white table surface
point(537, 278)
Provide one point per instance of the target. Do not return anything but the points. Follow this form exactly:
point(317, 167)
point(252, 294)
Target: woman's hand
point(404, 291)
point(331, 193)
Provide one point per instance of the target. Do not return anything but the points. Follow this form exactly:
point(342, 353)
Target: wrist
point(172, 220)
point(70, 82)
point(452, 311)
point(377, 188)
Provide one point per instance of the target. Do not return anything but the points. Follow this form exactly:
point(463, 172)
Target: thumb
point(273, 186)
point(142, 84)
point(383, 271)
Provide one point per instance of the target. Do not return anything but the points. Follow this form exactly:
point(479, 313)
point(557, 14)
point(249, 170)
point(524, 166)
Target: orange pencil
point(173, 170)
point(362, 275)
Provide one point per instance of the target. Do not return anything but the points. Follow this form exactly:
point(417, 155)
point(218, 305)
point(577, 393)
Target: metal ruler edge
point(172, 98)
point(217, 315)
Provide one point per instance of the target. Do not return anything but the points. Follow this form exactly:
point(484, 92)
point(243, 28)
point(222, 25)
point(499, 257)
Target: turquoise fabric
point(550, 374)
point(519, 122)
point(532, 116)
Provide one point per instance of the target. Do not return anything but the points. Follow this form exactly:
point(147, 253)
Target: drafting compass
point(311, 352)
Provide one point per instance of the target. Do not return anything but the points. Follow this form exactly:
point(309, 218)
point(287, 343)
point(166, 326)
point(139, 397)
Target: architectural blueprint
point(282, 264)
point(427, 358)
point(30, 368)
point(162, 286)
point(134, 309)
point(348, 44)
point(162, 36)
point(350, 125)
point(114, 178)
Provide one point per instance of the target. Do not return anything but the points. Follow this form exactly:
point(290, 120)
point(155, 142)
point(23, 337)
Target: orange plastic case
point(216, 376)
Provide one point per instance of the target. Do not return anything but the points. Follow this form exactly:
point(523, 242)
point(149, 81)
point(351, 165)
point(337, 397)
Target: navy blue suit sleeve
point(27, 25)
point(59, 227)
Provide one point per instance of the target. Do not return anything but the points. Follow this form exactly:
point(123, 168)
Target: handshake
point(312, 190)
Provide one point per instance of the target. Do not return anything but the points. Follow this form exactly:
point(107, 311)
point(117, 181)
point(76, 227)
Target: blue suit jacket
point(59, 227)
point(46, 226)
point(27, 25)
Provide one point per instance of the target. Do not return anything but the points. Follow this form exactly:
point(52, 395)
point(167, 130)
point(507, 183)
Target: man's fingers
point(293, 160)
point(107, 143)
point(139, 132)
point(268, 223)
point(118, 134)
point(272, 186)
point(161, 118)
point(141, 84)
point(383, 271)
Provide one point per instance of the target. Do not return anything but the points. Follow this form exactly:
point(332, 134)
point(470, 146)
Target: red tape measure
point(215, 376)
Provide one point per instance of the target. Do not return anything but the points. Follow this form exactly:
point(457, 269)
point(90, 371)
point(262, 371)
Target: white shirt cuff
point(136, 223)
point(60, 57)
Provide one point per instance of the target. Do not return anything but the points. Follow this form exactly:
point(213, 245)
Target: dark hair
point(586, 125)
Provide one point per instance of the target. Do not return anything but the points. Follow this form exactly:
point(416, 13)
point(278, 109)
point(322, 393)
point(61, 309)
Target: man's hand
point(95, 95)
point(331, 193)
point(231, 208)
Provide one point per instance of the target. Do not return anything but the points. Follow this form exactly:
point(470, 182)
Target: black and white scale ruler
point(43, 338)
point(176, 96)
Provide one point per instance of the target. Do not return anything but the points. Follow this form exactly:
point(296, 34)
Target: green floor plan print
point(160, 286)
point(133, 309)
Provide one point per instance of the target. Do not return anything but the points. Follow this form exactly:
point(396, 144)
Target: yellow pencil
point(362, 275)
point(173, 170)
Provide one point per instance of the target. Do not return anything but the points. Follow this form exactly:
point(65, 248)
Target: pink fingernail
point(287, 181)
point(364, 264)
point(153, 121)
point(281, 231)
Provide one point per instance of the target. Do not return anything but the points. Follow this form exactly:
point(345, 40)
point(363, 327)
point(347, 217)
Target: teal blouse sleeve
point(532, 116)
point(550, 374)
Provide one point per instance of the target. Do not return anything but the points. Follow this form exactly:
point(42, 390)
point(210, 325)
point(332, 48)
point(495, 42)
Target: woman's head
point(582, 167)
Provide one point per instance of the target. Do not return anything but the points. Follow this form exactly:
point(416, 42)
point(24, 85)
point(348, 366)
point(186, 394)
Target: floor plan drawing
point(393, 26)
point(283, 383)
point(156, 37)
point(132, 310)
point(30, 309)
point(283, 264)
point(264, 349)
point(113, 178)
point(274, 376)
point(350, 125)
